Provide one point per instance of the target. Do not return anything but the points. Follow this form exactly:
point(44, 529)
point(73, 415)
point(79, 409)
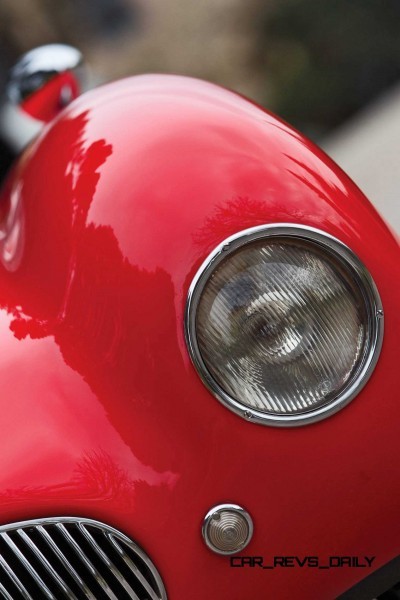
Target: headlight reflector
point(284, 324)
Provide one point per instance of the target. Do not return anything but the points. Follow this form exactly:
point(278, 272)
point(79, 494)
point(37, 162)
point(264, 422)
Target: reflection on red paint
point(46, 103)
point(103, 415)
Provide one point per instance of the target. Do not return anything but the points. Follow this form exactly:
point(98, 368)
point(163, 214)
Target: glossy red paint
point(103, 415)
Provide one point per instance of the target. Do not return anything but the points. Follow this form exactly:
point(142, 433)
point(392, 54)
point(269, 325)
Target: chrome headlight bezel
point(341, 254)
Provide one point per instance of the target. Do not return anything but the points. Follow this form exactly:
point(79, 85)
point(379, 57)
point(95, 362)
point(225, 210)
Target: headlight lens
point(284, 324)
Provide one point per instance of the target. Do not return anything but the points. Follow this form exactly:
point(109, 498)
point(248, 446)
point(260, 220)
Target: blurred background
point(331, 69)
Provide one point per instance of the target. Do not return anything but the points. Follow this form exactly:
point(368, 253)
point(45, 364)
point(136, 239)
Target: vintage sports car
point(199, 398)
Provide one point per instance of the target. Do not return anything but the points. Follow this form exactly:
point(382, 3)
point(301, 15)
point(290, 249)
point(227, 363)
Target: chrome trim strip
point(56, 576)
point(25, 562)
point(341, 253)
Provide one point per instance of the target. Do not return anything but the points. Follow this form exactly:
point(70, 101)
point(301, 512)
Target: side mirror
point(40, 85)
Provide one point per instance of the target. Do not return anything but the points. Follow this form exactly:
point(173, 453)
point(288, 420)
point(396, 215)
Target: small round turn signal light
point(227, 529)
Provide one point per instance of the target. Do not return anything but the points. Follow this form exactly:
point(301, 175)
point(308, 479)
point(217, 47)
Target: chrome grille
point(74, 558)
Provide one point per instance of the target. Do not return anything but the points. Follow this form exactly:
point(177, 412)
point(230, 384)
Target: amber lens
point(282, 325)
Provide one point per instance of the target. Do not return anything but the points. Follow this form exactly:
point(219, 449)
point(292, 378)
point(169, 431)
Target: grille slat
point(85, 560)
point(133, 568)
point(16, 581)
point(28, 566)
point(117, 574)
point(56, 577)
point(5, 593)
point(65, 562)
point(78, 559)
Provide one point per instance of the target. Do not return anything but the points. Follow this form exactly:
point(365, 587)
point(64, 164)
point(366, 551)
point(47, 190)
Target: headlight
point(284, 324)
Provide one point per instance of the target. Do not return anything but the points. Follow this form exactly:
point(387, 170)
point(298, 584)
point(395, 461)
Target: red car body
point(115, 207)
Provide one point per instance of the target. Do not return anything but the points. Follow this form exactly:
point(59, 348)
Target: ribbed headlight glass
point(284, 324)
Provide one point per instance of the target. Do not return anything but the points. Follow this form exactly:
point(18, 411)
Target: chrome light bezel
point(214, 513)
point(343, 255)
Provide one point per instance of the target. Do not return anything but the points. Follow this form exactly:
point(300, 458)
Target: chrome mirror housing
point(40, 85)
